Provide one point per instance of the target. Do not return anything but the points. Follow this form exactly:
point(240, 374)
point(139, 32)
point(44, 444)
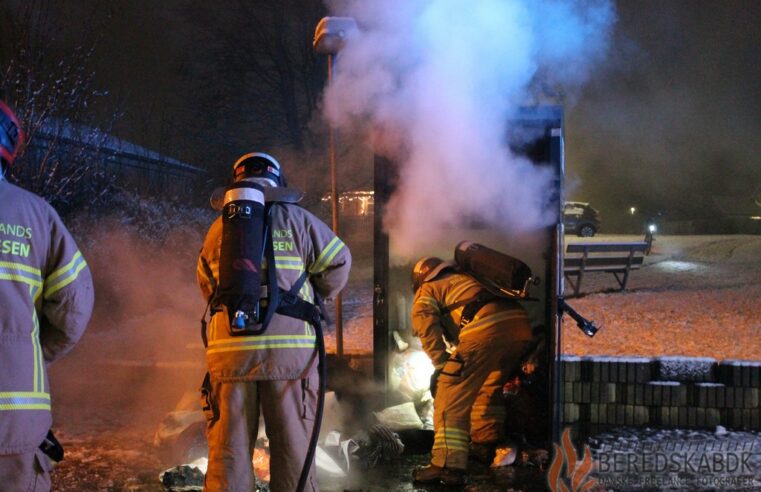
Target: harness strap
point(213, 282)
point(274, 291)
point(474, 306)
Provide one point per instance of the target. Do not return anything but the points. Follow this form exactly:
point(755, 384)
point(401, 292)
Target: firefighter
point(46, 294)
point(490, 335)
point(273, 374)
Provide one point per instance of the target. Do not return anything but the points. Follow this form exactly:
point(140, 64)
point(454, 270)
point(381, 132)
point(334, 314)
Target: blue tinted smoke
point(435, 82)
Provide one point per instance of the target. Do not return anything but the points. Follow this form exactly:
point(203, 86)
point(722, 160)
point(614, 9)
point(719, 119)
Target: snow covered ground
point(694, 296)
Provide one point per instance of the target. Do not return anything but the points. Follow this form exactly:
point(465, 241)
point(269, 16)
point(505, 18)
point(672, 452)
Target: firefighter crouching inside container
point(274, 372)
point(46, 294)
point(490, 335)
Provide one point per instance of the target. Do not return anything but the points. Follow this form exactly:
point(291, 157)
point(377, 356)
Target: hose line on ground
point(322, 372)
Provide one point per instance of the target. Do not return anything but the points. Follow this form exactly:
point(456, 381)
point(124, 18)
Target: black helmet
point(11, 135)
point(427, 268)
point(258, 165)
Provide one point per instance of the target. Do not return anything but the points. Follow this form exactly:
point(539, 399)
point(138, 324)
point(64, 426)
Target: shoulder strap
point(272, 287)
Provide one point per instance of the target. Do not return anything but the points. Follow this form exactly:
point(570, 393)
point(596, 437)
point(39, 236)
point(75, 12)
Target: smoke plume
point(435, 82)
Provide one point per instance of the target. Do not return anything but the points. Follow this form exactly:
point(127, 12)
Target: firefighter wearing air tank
point(273, 372)
point(489, 335)
point(46, 294)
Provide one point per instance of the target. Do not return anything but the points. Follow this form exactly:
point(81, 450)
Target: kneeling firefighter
point(491, 335)
point(263, 267)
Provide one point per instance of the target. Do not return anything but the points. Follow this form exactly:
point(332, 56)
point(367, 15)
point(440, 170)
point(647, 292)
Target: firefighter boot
point(483, 452)
point(437, 474)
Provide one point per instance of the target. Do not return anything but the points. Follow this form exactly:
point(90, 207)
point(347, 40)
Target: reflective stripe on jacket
point(46, 295)
point(301, 242)
point(432, 323)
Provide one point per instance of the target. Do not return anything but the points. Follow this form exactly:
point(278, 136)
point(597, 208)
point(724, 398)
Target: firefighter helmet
point(258, 165)
point(427, 268)
point(11, 135)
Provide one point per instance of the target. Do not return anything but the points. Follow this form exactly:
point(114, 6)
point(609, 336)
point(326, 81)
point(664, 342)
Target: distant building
point(134, 166)
point(353, 204)
point(742, 213)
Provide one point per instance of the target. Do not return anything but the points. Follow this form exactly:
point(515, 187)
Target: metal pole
point(334, 212)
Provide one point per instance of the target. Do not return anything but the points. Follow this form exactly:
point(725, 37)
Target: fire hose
point(322, 372)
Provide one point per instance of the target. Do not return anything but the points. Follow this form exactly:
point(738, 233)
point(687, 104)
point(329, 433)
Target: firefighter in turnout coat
point(46, 295)
point(273, 374)
point(490, 335)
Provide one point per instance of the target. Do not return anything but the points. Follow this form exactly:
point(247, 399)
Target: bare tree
point(256, 69)
point(54, 95)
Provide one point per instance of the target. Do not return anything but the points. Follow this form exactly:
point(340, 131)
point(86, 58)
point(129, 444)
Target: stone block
point(686, 369)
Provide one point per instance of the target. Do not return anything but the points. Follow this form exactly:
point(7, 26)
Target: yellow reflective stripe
point(281, 261)
point(67, 275)
point(453, 433)
point(35, 291)
point(451, 446)
point(24, 400)
point(26, 406)
point(19, 278)
point(259, 338)
point(21, 266)
point(261, 342)
point(327, 255)
point(454, 295)
point(63, 269)
point(24, 394)
point(289, 267)
point(39, 369)
point(451, 438)
point(20, 273)
point(491, 320)
point(261, 347)
point(429, 301)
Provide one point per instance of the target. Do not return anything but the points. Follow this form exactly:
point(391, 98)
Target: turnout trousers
point(28, 472)
point(469, 404)
point(288, 408)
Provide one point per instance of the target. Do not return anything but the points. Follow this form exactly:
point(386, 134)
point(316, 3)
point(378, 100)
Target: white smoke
point(436, 81)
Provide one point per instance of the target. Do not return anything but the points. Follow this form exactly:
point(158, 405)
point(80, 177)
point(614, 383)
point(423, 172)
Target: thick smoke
point(436, 81)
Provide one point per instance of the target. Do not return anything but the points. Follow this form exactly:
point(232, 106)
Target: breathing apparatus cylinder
point(500, 273)
point(240, 260)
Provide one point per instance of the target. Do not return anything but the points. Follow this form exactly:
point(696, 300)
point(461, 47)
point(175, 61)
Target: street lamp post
point(329, 37)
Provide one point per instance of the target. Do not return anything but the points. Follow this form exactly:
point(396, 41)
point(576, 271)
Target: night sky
point(671, 119)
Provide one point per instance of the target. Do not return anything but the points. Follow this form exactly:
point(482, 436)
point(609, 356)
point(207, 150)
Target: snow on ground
point(694, 296)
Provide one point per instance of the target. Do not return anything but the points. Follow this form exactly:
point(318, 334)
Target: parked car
point(581, 219)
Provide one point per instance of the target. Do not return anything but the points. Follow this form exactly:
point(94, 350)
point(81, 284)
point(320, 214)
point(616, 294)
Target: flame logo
point(576, 472)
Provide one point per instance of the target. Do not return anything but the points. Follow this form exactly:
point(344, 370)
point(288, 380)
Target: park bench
point(616, 258)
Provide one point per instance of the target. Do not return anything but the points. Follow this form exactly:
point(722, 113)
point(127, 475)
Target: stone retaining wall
point(683, 392)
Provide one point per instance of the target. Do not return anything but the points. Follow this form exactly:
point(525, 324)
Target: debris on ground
point(378, 444)
point(400, 417)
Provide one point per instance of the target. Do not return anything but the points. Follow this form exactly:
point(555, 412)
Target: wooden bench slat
point(609, 247)
point(592, 262)
point(616, 258)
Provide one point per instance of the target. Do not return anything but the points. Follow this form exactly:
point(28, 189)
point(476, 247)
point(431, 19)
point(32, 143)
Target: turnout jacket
point(46, 299)
point(301, 242)
point(500, 319)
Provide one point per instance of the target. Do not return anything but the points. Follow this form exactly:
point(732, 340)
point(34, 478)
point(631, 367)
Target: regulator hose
point(322, 372)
